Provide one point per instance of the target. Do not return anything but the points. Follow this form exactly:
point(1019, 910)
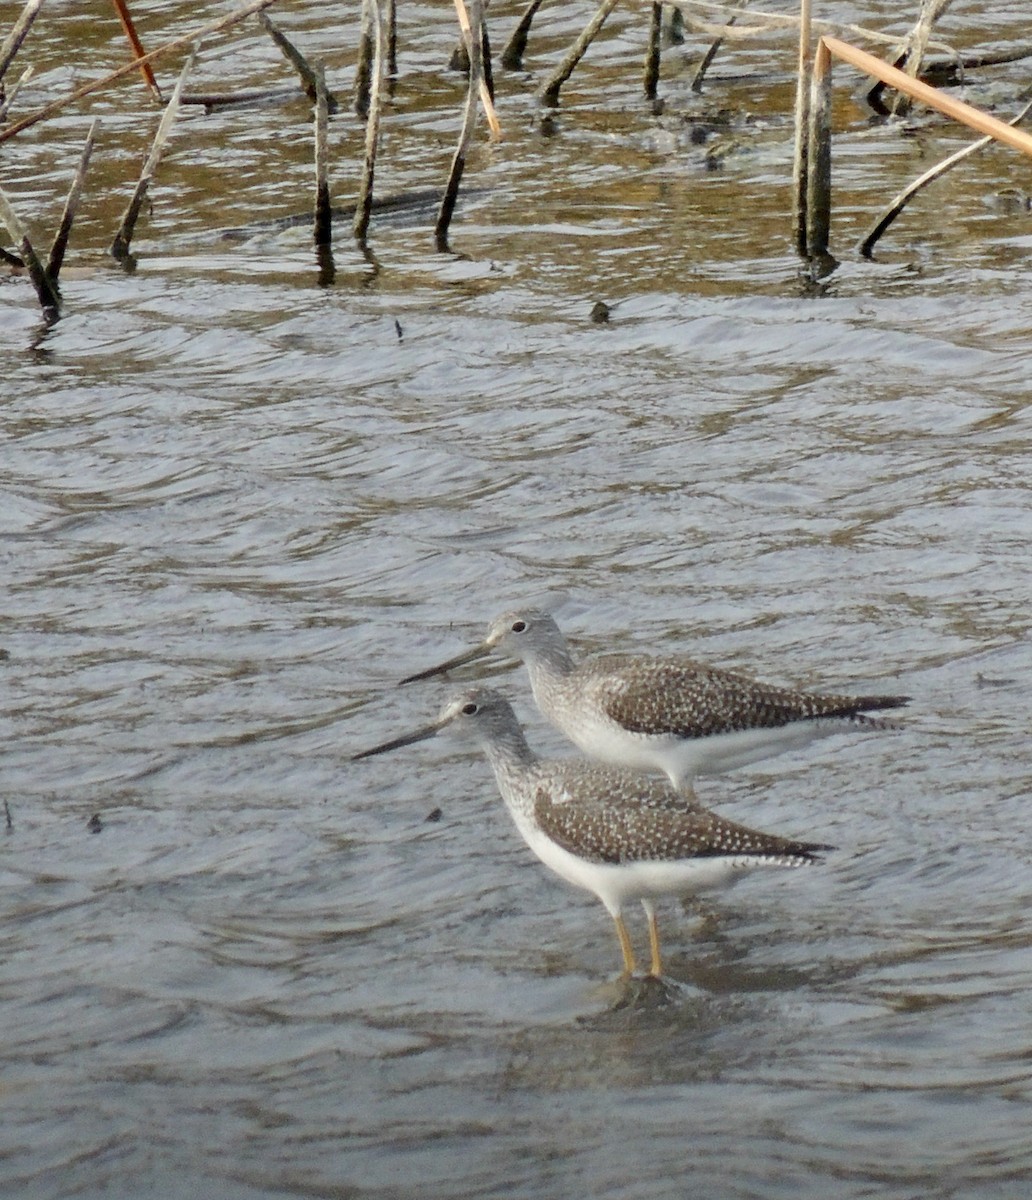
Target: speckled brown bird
point(615, 832)
point(671, 714)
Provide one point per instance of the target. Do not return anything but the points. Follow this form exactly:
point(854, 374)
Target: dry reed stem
point(60, 244)
point(818, 156)
point(652, 54)
point(773, 23)
point(802, 126)
point(392, 37)
point(364, 66)
point(13, 41)
point(900, 202)
point(213, 100)
point(485, 92)
point(549, 91)
point(120, 246)
point(957, 110)
point(469, 121)
point(8, 99)
point(48, 110)
point(309, 75)
point(364, 205)
point(323, 211)
point(146, 70)
point(916, 44)
point(512, 55)
point(710, 55)
point(46, 289)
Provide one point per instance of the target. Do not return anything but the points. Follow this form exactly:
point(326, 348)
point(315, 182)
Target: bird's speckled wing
point(688, 699)
point(572, 781)
point(607, 831)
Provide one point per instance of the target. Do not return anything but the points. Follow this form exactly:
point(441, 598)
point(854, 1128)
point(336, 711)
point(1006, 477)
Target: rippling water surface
point(238, 506)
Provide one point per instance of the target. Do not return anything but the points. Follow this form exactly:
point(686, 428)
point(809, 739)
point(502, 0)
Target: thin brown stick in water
point(485, 94)
point(364, 67)
point(950, 72)
point(818, 158)
point(763, 23)
point(549, 93)
point(13, 41)
point(515, 47)
point(917, 44)
point(308, 74)
point(364, 206)
point(323, 209)
point(802, 127)
point(87, 89)
point(46, 290)
point(955, 109)
point(900, 202)
point(469, 122)
point(6, 100)
point(707, 59)
point(213, 100)
point(147, 71)
point(57, 250)
point(652, 54)
point(392, 37)
point(120, 246)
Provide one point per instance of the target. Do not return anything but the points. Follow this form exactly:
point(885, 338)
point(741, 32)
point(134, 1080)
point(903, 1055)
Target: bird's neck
point(510, 757)
point(549, 662)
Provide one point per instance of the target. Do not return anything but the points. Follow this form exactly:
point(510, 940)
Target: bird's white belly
point(616, 884)
point(684, 758)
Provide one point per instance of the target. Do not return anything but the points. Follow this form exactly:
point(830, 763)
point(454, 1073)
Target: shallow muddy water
point(238, 506)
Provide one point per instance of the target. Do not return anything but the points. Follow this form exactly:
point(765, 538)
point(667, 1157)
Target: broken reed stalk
point(120, 246)
point(363, 70)
point(46, 289)
point(818, 195)
point(6, 100)
point(917, 44)
point(708, 57)
point(900, 202)
point(652, 54)
point(957, 110)
point(818, 156)
point(392, 38)
point(213, 100)
point(485, 91)
point(60, 243)
point(13, 41)
point(364, 206)
point(48, 110)
point(763, 23)
point(802, 127)
point(469, 121)
point(309, 75)
point(323, 210)
point(512, 55)
point(549, 92)
point(146, 70)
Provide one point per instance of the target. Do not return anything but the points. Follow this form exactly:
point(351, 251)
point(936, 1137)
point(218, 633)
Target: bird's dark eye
point(519, 626)
point(471, 709)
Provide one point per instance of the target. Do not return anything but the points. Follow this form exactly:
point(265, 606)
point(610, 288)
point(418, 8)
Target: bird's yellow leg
point(625, 945)
point(656, 969)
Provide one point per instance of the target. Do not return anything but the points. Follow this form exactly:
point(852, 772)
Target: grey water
point(239, 504)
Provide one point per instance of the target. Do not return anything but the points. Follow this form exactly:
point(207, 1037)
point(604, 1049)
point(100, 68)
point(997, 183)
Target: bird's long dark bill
point(406, 739)
point(459, 660)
